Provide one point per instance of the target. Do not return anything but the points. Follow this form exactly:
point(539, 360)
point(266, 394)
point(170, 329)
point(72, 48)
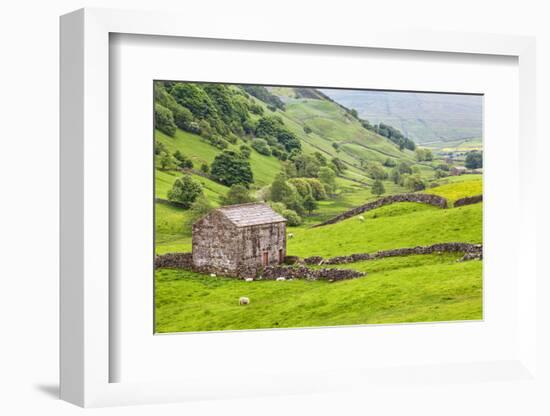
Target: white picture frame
point(85, 208)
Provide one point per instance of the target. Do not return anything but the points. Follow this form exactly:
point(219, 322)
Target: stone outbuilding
point(239, 240)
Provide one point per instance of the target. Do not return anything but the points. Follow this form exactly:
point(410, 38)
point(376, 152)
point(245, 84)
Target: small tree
point(292, 218)
point(328, 179)
point(237, 194)
point(185, 191)
point(205, 168)
point(378, 188)
point(164, 120)
point(310, 204)
point(166, 161)
point(474, 160)
point(199, 209)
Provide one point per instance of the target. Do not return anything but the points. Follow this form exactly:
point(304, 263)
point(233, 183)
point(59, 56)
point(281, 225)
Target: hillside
point(433, 119)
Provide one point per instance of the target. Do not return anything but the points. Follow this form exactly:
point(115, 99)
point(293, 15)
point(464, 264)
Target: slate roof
point(244, 215)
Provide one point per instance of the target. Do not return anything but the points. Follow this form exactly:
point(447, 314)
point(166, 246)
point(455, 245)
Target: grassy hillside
point(302, 127)
point(412, 289)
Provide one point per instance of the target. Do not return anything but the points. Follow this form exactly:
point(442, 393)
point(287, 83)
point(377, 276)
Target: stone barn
point(238, 240)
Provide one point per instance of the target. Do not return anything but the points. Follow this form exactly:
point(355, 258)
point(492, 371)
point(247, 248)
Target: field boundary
point(435, 200)
point(471, 252)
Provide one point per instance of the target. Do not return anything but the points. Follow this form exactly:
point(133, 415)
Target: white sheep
point(249, 279)
point(212, 274)
point(361, 218)
point(290, 235)
point(281, 279)
point(243, 300)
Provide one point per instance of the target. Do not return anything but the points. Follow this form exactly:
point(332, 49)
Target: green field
point(411, 289)
point(407, 289)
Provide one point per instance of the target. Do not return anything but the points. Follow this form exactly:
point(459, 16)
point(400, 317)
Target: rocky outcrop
point(468, 200)
point(471, 251)
point(429, 199)
point(302, 272)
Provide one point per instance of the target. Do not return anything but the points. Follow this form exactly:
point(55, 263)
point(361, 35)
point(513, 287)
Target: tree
point(245, 151)
point(378, 188)
point(328, 179)
point(183, 161)
point(229, 168)
point(307, 130)
point(280, 189)
point(164, 120)
point(395, 176)
point(415, 183)
point(199, 209)
point(185, 191)
point(260, 145)
point(166, 161)
point(292, 218)
point(310, 204)
point(474, 160)
point(205, 168)
point(376, 171)
point(237, 194)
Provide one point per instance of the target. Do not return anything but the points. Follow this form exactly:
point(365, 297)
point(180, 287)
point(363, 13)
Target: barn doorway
point(281, 256)
point(265, 258)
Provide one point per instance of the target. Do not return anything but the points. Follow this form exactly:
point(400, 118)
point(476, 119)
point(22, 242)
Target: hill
point(433, 119)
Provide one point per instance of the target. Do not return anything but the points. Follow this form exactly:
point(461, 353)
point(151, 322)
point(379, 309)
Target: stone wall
point(472, 251)
point(434, 200)
point(302, 272)
point(175, 261)
point(468, 200)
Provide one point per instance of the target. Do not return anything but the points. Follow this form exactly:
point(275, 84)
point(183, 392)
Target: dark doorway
point(265, 258)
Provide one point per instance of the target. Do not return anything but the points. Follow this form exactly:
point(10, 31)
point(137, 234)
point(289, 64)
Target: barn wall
point(214, 245)
point(258, 239)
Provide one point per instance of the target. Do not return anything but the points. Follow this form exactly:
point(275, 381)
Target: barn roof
point(244, 215)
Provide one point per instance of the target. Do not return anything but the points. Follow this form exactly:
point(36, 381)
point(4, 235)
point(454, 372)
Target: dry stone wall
point(468, 200)
point(430, 199)
point(472, 251)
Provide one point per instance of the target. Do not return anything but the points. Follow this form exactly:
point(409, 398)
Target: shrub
point(307, 130)
point(292, 218)
point(245, 151)
point(164, 120)
point(261, 146)
point(378, 188)
point(185, 191)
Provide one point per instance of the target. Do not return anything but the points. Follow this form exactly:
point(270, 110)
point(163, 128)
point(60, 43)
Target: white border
point(85, 199)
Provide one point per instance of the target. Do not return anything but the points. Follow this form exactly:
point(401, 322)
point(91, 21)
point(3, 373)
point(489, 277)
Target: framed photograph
point(280, 214)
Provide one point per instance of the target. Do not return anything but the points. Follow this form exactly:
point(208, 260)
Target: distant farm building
point(238, 240)
point(458, 170)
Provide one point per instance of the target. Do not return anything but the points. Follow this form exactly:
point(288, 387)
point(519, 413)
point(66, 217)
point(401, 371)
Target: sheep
point(281, 279)
point(290, 235)
point(249, 279)
point(361, 218)
point(212, 274)
point(243, 300)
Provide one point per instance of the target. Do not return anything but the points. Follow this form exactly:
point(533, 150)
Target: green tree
point(310, 204)
point(395, 175)
point(185, 191)
point(292, 218)
point(245, 151)
point(205, 168)
point(415, 183)
point(199, 209)
point(166, 161)
point(474, 160)
point(164, 120)
point(375, 170)
point(328, 178)
point(237, 194)
point(378, 188)
point(280, 189)
point(260, 145)
point(230, 167)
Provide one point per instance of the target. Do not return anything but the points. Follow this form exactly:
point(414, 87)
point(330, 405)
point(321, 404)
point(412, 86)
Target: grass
point(385, 229)
point(457, 190)
point(411, 289)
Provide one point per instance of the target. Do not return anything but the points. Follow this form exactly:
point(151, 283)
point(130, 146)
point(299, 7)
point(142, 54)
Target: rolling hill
point(428, 119)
